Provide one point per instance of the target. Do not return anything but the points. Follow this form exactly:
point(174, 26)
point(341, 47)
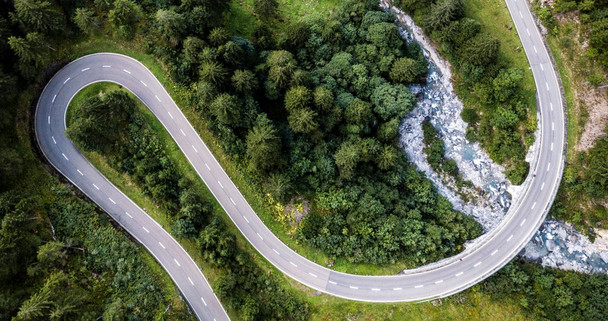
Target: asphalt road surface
point(440, 280)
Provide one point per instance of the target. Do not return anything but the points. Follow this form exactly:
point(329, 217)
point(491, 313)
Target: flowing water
point(556, 244)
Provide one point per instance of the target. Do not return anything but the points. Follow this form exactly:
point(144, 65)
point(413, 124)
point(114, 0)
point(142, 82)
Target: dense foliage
point(60, 259)
point(312, 110)
point(594, 16)
point(584, 188)
point(88, 270)
point(136, 150)
point(549, 294)
point(78, 268)
point(498, 114)
point(315, 112)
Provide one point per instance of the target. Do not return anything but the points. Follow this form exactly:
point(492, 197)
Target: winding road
point(498, 247)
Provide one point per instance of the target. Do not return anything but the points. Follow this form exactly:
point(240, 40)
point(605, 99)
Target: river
point(557, 244)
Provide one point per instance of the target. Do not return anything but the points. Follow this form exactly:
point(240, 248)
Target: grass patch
point(576, 123)
point(470, 306)
point(241, 19)
point(496, 20)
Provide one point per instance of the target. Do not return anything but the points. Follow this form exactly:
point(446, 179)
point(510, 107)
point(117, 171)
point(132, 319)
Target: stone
point(604, 257)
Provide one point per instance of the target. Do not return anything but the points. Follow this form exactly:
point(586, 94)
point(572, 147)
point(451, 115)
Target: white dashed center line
point(66, 158)
point(551, 105)
point(145, 229)
point(54, 141)
point(397, 289)
point(259, 236)
point(181, 130)
point(332, 282)
point(293, 264)
point(129, 215)
point(170, 115)
point(551, 146)
point(79, 172)
point(66, 80)
point(548, 166)
point(161, 245)
point(312, 274)
point(205, 303)
point(494, 252)
point(233, 203)
point(528, 31)
point(195, 150)
point(547, 84)
point(521, 15)
point(459, 274)
point(477, 264)
point(533, 205)
point(522, 222)
point(552, 125)
point(176, 262)
point(208, 168)
point(222, 186)
point(157, 97)
point(189, 279)
point(96, 186)
point(111, 200)
point(126, 71)
point(375, 289)
point(85, 69)
point(542, 186)
point(439, 282)
point(354, 287)
point(246, 219)
point(535, 50)
point(542, 68)
point(419, 286)
point(106, 66)
point(510, 237)
point(277, 252)
point(49, 120)
point(143, 83)
point(54, 97)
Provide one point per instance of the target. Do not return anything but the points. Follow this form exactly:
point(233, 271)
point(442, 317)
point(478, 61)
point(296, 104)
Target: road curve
point(67, 159)
point(451, 276)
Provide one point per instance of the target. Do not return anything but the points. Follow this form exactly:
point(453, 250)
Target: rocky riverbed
point(556, 244)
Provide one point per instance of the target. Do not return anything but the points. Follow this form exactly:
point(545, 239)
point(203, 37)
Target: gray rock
point(604, 257)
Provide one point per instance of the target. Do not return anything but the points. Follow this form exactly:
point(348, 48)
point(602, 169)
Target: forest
point(315, 111)
point(308, 110)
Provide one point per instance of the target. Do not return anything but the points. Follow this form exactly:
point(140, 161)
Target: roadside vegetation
point(574, 33)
